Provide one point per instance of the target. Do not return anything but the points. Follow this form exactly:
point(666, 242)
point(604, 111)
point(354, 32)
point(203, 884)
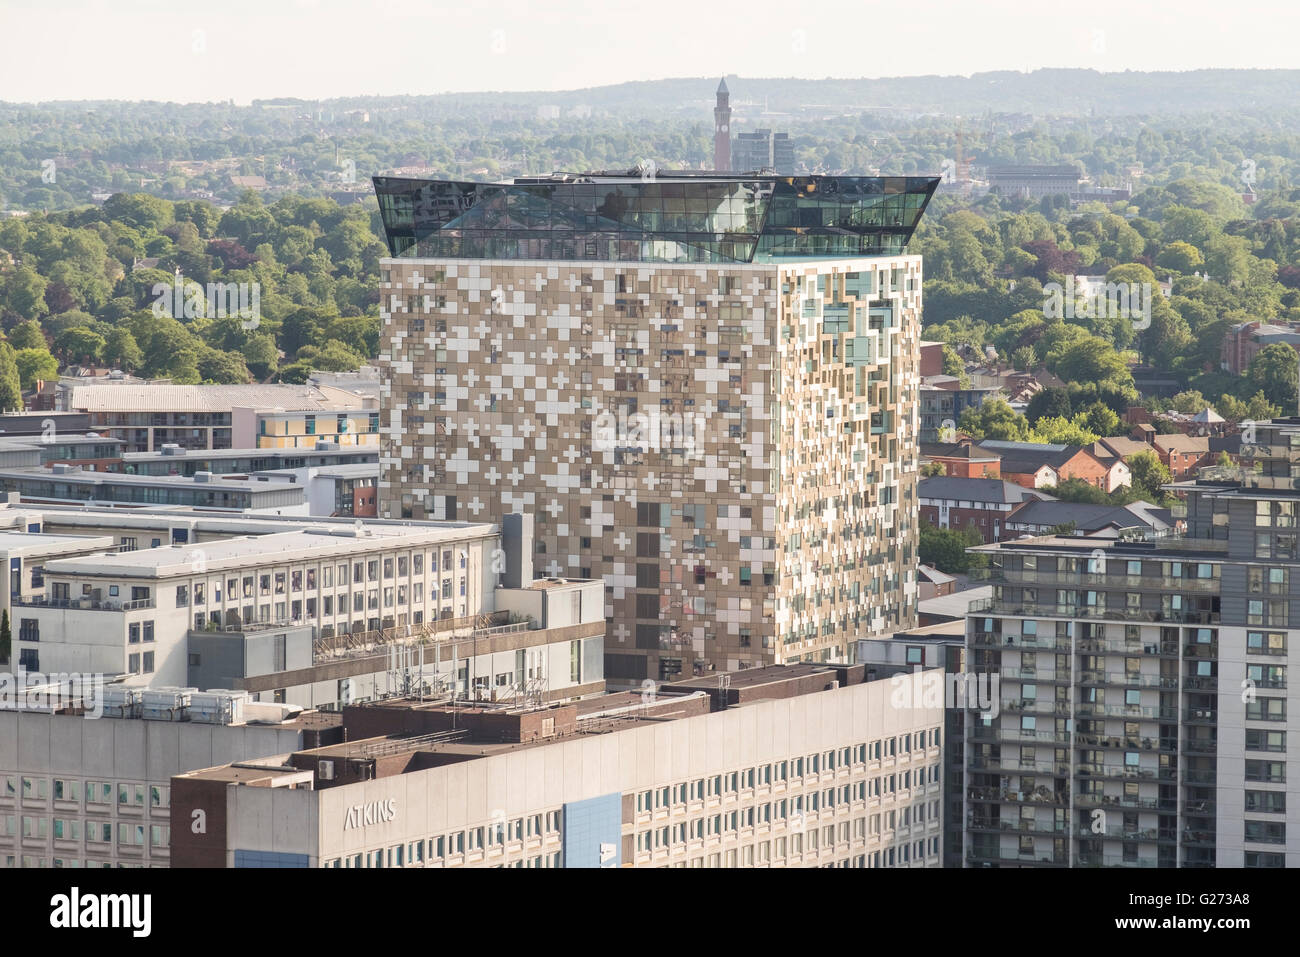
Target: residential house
point(982, 504)
point(1096, 521)
point(963, 459)
point(1041, 464)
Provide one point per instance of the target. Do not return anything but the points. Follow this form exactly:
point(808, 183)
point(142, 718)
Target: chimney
point(517, 541)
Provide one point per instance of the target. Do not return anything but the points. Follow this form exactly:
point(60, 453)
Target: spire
point(722, 86)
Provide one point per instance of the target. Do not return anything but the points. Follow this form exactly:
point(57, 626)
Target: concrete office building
point(1146, 717)
point(704, 387)
point(795, 766)
point(174, 460)
point(76, 792)
point(311, 612)
point(148, 416)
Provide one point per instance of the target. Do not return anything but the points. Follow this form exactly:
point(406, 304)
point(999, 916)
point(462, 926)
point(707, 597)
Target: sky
point(211, 50)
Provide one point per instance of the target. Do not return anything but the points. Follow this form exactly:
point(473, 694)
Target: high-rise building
point(763, 150)
point(704, 387)
point(722, 129)
point(1144, 710)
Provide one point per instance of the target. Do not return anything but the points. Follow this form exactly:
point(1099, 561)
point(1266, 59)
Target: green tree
point(945, 548)
point(35, 364)
point(1148, 473)
point(28, 335)
point(79, 344)
point(11, 389)
point(994, 419)
point(261, 355)
point(122, 351)
point(1049, 401)
point(1101, 419)
point(1273, 372)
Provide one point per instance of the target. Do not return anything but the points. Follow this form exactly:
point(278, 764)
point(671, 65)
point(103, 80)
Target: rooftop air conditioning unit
point(325, 770)
point(203, 476)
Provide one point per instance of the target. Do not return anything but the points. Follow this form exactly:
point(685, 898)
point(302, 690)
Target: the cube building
point(704, 387)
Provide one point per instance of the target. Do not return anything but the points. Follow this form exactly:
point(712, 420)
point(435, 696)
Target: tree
point(34, 364)
point(11, 390)
point(1148, 473)
point(222, 368)
point(1078, 490)
point(952, 364)
point(945, 548)
point(1101, 419)
point(1023, 359)
point(28, 335)
point(994, 419)
point(1050, 401)
point(261, 355)
point(1056, 430)
point(1181, 257)
point(1273, 372)
point(931, 469)
point(122, 351)
point(77, 344)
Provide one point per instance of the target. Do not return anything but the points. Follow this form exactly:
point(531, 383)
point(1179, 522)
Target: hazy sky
point(195, 50)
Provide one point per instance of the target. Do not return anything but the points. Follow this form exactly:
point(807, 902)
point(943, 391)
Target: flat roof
point(241, 551)
point(22, 541)
point(83, 477)
point(185, 455)
point(155, 397)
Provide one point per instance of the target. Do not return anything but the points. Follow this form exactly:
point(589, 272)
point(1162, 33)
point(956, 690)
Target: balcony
point(1200, 746)
point(1001, 606)
point(1201, 716)
point(1015, 764)
point(1040, 795)
point(1129, 711)
point(82, 604)
point(1120, 834)
point(978, 856)
point(1124, 743)
point(1125, 680)
point(1115, 800)
point(1095, 860)
point(1095, 582)
point(1018, 642)
point(1098, 646)
point(1124, 772)
point(1036, 706)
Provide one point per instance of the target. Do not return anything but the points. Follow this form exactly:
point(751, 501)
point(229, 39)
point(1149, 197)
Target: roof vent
point(203, 476)
point(171, 448)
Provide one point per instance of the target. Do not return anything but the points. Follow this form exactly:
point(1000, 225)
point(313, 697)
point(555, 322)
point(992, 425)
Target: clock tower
point(722, 129)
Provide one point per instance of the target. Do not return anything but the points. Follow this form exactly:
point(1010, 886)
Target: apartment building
point(77, 792)
point(704, 386)
point(794, 766)
point(1146, 717)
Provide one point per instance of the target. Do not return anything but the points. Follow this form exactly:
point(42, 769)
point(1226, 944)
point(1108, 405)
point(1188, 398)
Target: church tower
point(722, 129)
